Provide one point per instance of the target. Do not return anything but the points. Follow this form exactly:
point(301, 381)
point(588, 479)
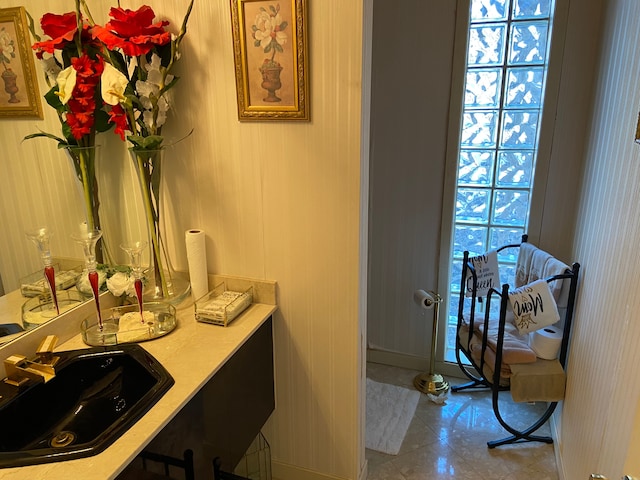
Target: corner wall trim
point(397, 359)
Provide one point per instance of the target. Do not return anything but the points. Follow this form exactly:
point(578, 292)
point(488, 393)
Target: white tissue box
point(220, 306)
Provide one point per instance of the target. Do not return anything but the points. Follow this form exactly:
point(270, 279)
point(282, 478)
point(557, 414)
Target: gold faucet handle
point(17, 373)
point(45, 350)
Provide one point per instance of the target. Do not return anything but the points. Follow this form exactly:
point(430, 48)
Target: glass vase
point(161, 281)
point(83, 160)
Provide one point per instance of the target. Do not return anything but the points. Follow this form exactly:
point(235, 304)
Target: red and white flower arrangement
point(113, 75)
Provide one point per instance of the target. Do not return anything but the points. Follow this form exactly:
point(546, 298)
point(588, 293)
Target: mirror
point(36, 190)
point(38, 187)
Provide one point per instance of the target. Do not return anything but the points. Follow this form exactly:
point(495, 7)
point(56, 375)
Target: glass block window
point(506, 66)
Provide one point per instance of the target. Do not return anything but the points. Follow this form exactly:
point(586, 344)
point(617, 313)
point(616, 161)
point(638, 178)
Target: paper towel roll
point(424, 299)
point(546, 342)
point(197, 259)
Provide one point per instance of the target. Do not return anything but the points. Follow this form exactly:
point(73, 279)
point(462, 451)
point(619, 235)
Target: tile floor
point(449, 441)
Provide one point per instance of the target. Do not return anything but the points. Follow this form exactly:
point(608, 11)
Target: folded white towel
point(523, 263)
point(533, 307)
point(538, 262)
point(487, 274)
point(556, 267)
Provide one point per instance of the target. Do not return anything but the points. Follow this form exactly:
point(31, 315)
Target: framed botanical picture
point(19, 94)
point(270, 50)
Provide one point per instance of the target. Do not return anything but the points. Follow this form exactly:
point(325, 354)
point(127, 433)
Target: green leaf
point(168, 86)
point(69, 51)
point(267, 49)
point(120, 63)
point(273, 10)
point(138, 74)
point(53, 99)
point(151, 142)
point(156, 177)
point(284, 25)
point(164, 52)
point(136, 140)
point(62, 143)
point(278, 47)
point(102, 121)
point(66, 131)
point(256, 43)
point(135, 101)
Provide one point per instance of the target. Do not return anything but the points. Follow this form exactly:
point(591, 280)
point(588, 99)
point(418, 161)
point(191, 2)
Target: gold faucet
point(41, 369)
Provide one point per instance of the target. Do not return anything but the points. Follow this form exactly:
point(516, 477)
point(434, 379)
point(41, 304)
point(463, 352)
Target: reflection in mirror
point(38, 186)
point(30, 305)
point(40, 189)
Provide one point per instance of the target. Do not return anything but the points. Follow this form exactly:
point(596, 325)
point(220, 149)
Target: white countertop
point(192, 354)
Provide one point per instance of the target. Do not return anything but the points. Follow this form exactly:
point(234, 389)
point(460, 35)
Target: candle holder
point(40, 237)
point(134, 251)
point(88, 240)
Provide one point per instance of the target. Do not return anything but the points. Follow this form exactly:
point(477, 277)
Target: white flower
point(121, 283)
point(154, 75)
point(281, 38)
point(268, 29)
point(264, 27)
point(83, 284)
point(51, 68)
point(6, 46)
point(146, 91)
point(161, 117)
point(66, 82)
point(112, 84)
point(149, 94)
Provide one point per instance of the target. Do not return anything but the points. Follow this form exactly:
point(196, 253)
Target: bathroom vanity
point(227, 371)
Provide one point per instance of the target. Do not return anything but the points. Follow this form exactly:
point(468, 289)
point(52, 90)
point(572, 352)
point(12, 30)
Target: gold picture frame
point(19, 93)
point(270, 51)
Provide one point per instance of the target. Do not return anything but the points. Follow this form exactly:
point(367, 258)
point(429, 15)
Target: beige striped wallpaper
point(603, 388)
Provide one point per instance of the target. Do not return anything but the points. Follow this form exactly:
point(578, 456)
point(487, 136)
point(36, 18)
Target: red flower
point(88, 69)
point(118, 116)
point(61, 29)
point(79, 124)
point(82, 105)
point(132, 31)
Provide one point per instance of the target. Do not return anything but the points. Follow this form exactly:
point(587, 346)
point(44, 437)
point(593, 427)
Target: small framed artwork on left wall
point(19, 94)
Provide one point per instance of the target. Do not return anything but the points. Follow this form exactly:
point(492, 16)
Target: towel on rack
point(532, 264)
point(533, 307)
point(523, 264)
point(488, 366)
point(556, 267)
point(538, 261)
point(515, 347)
point(487, 274)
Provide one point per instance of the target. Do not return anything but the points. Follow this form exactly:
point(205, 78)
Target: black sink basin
point(96, 395)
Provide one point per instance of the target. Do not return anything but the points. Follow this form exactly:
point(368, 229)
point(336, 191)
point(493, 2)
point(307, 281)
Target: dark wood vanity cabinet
point(223, 418)
point(239, 398)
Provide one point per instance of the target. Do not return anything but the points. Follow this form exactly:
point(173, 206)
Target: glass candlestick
point(134, 250)
point(88, 240)
point(41, 237)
